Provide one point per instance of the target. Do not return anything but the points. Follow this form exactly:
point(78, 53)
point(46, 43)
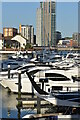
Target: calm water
point(8, 102)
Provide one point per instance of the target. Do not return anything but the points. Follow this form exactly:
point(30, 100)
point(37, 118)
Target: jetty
point(7, 52)
point(52, 117)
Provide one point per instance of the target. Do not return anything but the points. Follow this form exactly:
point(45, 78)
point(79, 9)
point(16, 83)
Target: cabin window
point(56, 77)
point(57, 88)
point(48, 89)
point(68, 88)
point(70, 56)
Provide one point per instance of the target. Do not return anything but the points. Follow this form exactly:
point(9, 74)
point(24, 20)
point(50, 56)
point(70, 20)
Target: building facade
point(20, 41)
point(76, 36)
point(79, 22)
point(38, 27)
point(27, 31)
point(1, 41)
point(67, 43)
point(34, 39)
point(9, 32)
point(46, 24)
point(58, 36)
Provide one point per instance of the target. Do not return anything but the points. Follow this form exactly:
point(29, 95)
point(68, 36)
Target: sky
point(15, 13)
point(79, 17)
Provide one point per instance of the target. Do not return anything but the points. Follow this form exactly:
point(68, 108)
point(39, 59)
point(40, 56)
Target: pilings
point(38, 102)
point(2, 66)
point(38, 105)
point(19, 95)
point(8, 71)
point(19, 84)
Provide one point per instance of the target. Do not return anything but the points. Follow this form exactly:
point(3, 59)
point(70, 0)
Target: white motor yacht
point(4, 74)
point(62, 98)
point(58, 80)
point(12, 83)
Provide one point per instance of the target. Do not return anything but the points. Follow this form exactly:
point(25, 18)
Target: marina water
point(8, 101)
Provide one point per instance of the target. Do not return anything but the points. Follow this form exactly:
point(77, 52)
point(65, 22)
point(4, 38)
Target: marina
point(40, 60)
point(38, 85)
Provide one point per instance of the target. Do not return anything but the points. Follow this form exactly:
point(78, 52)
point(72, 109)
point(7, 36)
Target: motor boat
point(62, 98)
point(22, 68)
point(12, 82)
point(58, 80)
point(73, 55)
point(19, 54)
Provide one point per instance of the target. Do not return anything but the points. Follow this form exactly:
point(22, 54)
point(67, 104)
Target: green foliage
point(68, 38)
point(8, 46)
point(28, 46)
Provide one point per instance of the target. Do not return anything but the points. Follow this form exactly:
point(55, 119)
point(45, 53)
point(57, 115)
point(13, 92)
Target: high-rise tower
point(46, 24)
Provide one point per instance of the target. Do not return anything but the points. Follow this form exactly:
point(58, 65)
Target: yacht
point(23, 67)
point(58, 80)
point(12, 83)
point(67, 80)
point(19, 54)
point(73, 55)
point(62, 98)
point(70, 99)
point(65, 64)
point(13, 74)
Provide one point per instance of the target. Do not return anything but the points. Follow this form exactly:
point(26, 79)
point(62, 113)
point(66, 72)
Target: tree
point(8, 46)
point(28, 46)
point(68, 38)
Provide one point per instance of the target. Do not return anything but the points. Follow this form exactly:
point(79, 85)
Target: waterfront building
point(76, 36)
point(34, 40)
point(67, 43)
point(1, 41)
point(58, 36)
point(79, 23)
point(27, 31)
point(46, 24)
point(38, 27)
point(9, 32)
point(20, 40)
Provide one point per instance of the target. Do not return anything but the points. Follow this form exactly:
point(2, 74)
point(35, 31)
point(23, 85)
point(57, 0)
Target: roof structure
point(20, 39)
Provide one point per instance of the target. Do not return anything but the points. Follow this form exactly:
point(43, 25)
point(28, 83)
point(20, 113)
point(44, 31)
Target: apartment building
point(46, 24)
point(27, 31)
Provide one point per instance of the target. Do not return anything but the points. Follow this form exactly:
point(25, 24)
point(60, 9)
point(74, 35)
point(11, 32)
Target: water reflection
point(8, 112)
point(8, 100)
point(0, 102)
point(8, 103)
point(19, 113)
